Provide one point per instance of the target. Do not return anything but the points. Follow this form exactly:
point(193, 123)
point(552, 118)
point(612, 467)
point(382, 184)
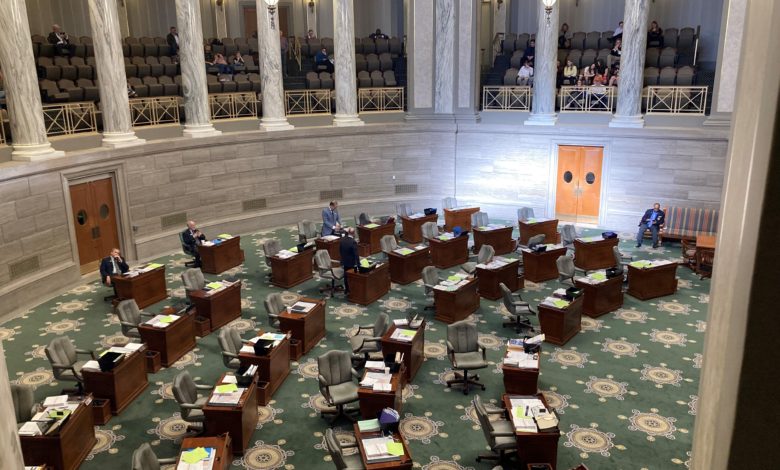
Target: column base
point(541, 119)
point(345, 120)
point(275, 124)
point(634, 122)
point(121, 139)
point(718, 120)
point(200, 130)
point(34, 152)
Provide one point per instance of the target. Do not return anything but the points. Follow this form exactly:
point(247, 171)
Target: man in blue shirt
point(322, 61)
point(331, 220)
point(652, 220)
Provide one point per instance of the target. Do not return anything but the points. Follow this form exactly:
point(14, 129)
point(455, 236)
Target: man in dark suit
point(173, 42)
point(112, 265)
point(192, 238)
point(348, 249)
point(61, 41)
point(652, 220)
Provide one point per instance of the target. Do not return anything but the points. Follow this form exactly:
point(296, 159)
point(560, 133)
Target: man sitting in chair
point(112, 265)
point(331, 220)
point(652, 220)
point(192, 238)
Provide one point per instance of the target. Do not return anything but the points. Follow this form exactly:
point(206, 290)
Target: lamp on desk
point(272, 11)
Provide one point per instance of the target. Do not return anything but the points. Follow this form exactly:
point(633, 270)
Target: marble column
point(344, 61)
point(23, 98)
point(632, 65)
point(420, 57)
point(444, 47)
point(543, 104)
point(732, 30)
point(10, 447)
point(272, 85)
point(112, 81)
point(465, 69)
point(193, 70)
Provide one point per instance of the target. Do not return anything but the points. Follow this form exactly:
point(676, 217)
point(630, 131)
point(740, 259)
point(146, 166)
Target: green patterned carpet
point(625, 387)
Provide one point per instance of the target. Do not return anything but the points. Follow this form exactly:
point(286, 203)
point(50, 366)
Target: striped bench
point(684, 223)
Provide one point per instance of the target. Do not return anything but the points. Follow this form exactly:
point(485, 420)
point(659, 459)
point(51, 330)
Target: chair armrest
point(428, 286)
point(348, 445)
point(203, 387)
point(273, 315)
point(229, 354)
point(355, 373)
point(324, 389)
point(495, 412)
point(484, 352)
point(502, 434)
point(147, 314)
point(84, 351)
point(369, 328)
point(190, 406)
point(168, 461)
point(520, 303)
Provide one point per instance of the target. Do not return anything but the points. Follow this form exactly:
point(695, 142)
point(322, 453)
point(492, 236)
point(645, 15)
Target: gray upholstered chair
point(193, 280)
point(273, 307)
point(465, 354)
point(24, 402)
point(307, 230)
point(336, 451)
point(485, 255)
point(525, 213)
point(368, 338)
point(144, 458)
point(270, 248)
point(188, 250)
point(230, 342)
point(449, 203)
point(430, 278)
point(621, 260)
point(479, 219)
point(130, 316)
point(388, 244)
point(403, 209)
point(568, 234)
point(363, 219)
point(499, 434)
point(567, 270)
point(337, 382)
point(185, 391)
point(535, 240)
point(63, 357)
point(518, 310)
point(429, 230)
point(326, 270)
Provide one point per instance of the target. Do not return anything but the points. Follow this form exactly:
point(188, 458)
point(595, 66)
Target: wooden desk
point(459, 218)
point(239, 421)
point(309, 327)
point(500, 239)
point(122, 384)
point(404, 463)
point(449, 253)
point(220, 307)
point(412, 350)
point(171, 342)
point(146, 288)
point(561, 325)
point(272, 368)
point(601, 298)
point(521, 381)
point(371, 402)
point(652, 282)
point(332, 246)
point(547, 227)
point(286, 273)
point(372, 236)
point(222, 445)
point(219, 258)
point(540, 446)
point(540, 267)
point(489, 279)
point(594, 255)
point(367, 288)
point(408, 268)
point(66, 449)
point(412, 228)
point(452, 306)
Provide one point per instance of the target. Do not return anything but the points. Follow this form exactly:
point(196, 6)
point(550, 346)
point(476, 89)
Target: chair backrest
point(335, 367)
point(230, 342)
point(507, 297)
point(618, 258)
point(363, 219)
point(193, 279)
point(144, 458)
point(430, 230)
point(449, 202)
point(479, 219)
point(536, 239)
point(271, 247)
point(463, 336)
point(484, 421)
point(184, 247)
point(334, 449)
point(323, 261)
point(184, 390)
point(381, 324)
point(568, 234)
point(274, 304)
point(388, 243)
point(128, 312)
point(404, 209)
point(486, 253)
point(61, 352)
point(430, 275)
point(565, 265)
point(525, 213)
point(24, 399)
point(307, 229)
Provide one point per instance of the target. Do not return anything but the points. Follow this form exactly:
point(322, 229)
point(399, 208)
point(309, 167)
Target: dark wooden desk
point(412, 350)
point(222, 444)
point(146, 288)
point(367, 288)
point(449, 253)
point(273, 368)
point(372, 236)
point(171, 342)
point(289, 272)
point(66, 449)
point(489, 279)
point(561, 325)
point(122, 384)
point(459, 218)
point(521, 381)
point(408, 268)
point(452, 306)
point(547, 227)
point(405, 463)
point(500, 239)
point(371, 402)
point(540, 446)
point(219, 258)
point(332, 246)
point(601, 298)
point(238, 421)
point(594, 255)
point(649, 283)
point(309, 327)
point(220, 307)
point(540, 267)
point(412, 228)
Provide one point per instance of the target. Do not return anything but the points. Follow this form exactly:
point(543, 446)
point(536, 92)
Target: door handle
point(95, 233)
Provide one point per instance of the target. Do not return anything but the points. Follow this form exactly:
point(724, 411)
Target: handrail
point(506, 98)
point(2, 132)
point(497, 48)
point(233, 105)
point(587, 99)
point(381, 100)
point(69, 118)
point(681, 100)
point(154, 110)
point(307, 102)
point(296, 51)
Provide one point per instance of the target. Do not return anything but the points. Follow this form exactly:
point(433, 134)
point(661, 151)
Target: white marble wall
point(420, 50)
point(272, 84)
point(632, 63)
point(344, 62)
point(544, 87)
point(467, 69)
point(444, 49)
point(729, 55)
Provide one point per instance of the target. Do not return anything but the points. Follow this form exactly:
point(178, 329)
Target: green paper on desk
point(640, 264)
point(226, 388)
point(598, 276)
point(167, 319)
point(443, 237)
point(194, 455)
point(214, 285)
point(483, 227)
point(294, 249)
point(224, 236)
point(365, 263)
point(520, 413)
point(406, 251)
point(453, 278)
point(560, 303)
point(154, 265)
point(371, 225)
point(395, 448)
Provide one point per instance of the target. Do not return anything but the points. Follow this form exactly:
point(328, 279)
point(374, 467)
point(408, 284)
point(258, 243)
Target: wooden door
point(284, 19)
point(95, 220)
point(578, 194)
point(250, 21)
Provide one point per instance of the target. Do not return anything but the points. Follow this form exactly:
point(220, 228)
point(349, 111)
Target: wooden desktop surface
point(595, 255)
point(372, 236)
point(272, 368)
point(649, 283)
point(219, 258)
point(540, 267)
point(222, 444)
point(500, 239)
point(171, 342)
point(220, 307)
point(331, 246)
point(521, 381)
point(412, 350)
point(309, 327)
point(405, 269)
point(706, 241)
point(404, 463)
point(449, 253)
point(547, 227)
point(412, 228)
point(601, 298)
point(489, 280)
point(459, 218)
point(292, 271)
point(66, 449)
point(561, 325)
point(372, 402)
point(122, 384)
point(452, 306)
point(146, 288)
point(238, 421)
point(366, 288)
point(540, 446)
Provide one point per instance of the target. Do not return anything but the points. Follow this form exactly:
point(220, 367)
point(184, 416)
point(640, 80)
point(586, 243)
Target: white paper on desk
point(133, 346)
point(420, 247)
point(378, 365)
point(330, 238)
point(229, 379)
point(400, 322)
point(252, 340)
point(535, 340)
point(91, 365)
point(247, 349)
point(382, 387)
point(57, 400)
point(306, 306)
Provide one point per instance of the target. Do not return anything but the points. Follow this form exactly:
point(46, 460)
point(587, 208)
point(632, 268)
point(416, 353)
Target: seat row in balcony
point(685, 38)
point(392, 46)
point(669, 76)
point(371, 62)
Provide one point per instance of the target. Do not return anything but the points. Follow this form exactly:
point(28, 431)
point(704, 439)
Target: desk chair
point(429, 230)
point(518, 310)
point(307, 230)
point(188, 251)
point(430, 278)
point(368, 339)
point(25, 407)
point(621, 261)
point(130, 316)
point(273, 307)
point(568, 234)
point(449, 203)
point(363, 219)
point(185, 391)
point(230, 342)
point(336, 451)
point(499, 434)
point(193, 280)
point(63, 357)
point(337, 383)
point(144, 458)
point(705, 260)
point(270, 248)
point(479, 219)
point(403, 210)
point(535, 240)
point(525, 213)
point(486, 253)
point(463, 351)
point(388, 244)
point(567, 270)
point(327, 270)
point(689, 253)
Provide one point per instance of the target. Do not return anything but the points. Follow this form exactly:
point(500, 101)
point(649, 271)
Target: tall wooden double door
point(578, 193)
point(94, 216)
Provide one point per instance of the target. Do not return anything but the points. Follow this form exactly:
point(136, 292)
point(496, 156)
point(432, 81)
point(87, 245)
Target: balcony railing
point(307, 102)
point(233, 105)
point(154, 110)
point(587, 99)
point(379, 100)
point(506, 98)
point(690, 100)
point(69, 118)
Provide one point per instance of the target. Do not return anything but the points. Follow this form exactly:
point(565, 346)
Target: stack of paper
point(404, 251)
point(247, 349)
point(284, 254)
point(595, 277)
point(225, 236)
point(56, 400)
point(197, 459)
point(373, 378)
point(372, 225)
point(521, 359)
point(641, 264)
point(91, 365)
point(401, 334)
point(231, 396)
point(162, 321)
point(555, 302)
point(302, 307)
point(416, 215)
point(368, 425)
point(446, 236)
point(378, 449)
point(375, 365)
point(330, 238)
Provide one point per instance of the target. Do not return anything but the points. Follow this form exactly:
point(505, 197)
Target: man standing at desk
point(348, 249)
point(191, 238)
point(652, 220)
point(112, 265)
point(331, 220)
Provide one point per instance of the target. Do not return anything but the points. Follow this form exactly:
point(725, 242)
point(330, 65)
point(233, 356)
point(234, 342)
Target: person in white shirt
point(525, 76)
